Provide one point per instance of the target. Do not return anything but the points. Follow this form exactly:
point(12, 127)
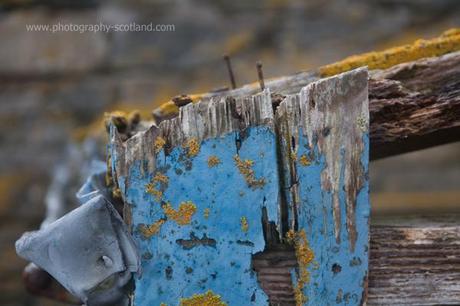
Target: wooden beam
point(412, 106)
point(415, 106)
point(413, 261)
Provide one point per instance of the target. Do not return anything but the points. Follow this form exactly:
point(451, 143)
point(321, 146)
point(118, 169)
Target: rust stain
point(205, 299)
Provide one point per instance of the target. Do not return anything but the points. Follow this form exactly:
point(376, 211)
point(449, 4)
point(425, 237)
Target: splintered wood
point(232, 178)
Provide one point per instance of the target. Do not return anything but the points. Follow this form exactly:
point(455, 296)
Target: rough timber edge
point(312, 110)
point(447, 42)
point(212, 118)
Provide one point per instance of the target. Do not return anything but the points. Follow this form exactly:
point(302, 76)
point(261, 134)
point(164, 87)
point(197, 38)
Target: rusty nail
point(230, 71)
point(260, 75)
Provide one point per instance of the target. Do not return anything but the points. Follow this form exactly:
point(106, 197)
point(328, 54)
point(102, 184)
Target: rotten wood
point(412, 106)
point(412, 262)
point(415, 106)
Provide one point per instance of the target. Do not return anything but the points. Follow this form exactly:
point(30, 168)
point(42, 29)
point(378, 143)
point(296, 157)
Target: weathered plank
point(414, 261)
point(205, 194)
point(412, 106)
point(204, 197)
point(415, 106)
point(325, 146)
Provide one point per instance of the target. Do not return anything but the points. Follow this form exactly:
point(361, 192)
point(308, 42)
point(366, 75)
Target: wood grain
point(412, 262)
point(412, 106)
point(415, 106)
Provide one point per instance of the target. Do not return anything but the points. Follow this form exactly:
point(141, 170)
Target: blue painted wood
point(325, 143)
point(199, 185)
point(226, 181)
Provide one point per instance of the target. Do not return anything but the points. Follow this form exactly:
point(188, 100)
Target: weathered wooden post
point(230, 178)
point(325, 149)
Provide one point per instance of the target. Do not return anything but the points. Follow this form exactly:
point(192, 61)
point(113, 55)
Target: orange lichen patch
point(205, 299)
point(131, 111)
point(447, 42)
point(213, 161)
point(170, 108)
point(161, 178)
point(245, 168)
point(152, 187)
point(193, 147)
point(294, 156)
point(116, 193)
point(158, 144)
point(304, 257)
point(150, 230)
point(206, 213)
point(183, 215)
point(244, 224)
point(167, 108)
point(304, 160)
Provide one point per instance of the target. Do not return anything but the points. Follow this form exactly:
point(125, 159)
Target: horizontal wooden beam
point(412, 106)
point(415, 105)
point(413, 261)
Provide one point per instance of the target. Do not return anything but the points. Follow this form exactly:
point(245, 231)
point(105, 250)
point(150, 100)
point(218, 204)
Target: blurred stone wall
point(53, 84)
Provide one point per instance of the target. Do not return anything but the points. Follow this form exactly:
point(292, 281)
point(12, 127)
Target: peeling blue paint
point(338, 274)
point(170, 271)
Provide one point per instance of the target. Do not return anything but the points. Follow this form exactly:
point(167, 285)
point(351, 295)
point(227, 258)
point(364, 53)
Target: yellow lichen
point(305, 257)
point(206, 213)
point(149, 230)
point(161, 178)
point(193, 147)
point(167, 108)
point(294, 156)
point(116, 193)
point(448, 42)
point(118, 118)
point(244, 224)
point(158, 144)
point(183, 215)
point(245, 168)
point(304, 161)
point(213, 161)
point(205, 299)
point(151, 188)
